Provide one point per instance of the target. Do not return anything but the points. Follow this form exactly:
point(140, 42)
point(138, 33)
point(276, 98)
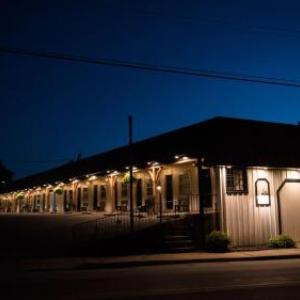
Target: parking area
point(33, 235)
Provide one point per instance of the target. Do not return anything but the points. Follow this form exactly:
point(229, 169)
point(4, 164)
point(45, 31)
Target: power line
point(154, 68)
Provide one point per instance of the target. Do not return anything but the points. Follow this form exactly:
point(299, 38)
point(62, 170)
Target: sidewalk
point(81, 263)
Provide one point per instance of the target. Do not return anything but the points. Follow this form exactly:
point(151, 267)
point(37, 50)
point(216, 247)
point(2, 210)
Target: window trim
point(245, 190)
point(256, 190)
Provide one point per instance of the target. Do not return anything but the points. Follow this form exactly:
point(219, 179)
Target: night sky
point(53, 110)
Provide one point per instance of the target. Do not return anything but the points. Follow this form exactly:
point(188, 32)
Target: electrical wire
point(154, 68)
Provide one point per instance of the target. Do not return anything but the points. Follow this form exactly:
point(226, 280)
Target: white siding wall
point(247, 224)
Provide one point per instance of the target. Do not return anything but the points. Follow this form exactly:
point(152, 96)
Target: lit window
point(262, 192)
point(124, 190)
point(85, 197)
point(103, 192)
point(184, 184)
point(184, 193)
point(149, 187)
point(236, 181)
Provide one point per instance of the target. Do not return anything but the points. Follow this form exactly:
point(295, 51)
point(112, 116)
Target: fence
point(119, 223)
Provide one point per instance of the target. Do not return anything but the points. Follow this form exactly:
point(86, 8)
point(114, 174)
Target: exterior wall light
point(153, 163)
point(262, 192)
point(182, 158)
point(114, 173)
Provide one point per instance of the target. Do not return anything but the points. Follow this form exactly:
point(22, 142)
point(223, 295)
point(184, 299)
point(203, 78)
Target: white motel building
point(243, 175)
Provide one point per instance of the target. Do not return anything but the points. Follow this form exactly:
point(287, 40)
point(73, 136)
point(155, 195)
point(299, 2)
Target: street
point(272, 279)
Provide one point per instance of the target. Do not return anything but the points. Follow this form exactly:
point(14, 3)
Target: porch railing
point(112, 225)
point(119, 223)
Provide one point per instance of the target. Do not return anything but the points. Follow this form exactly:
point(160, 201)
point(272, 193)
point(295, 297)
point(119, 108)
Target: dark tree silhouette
point(5, 176)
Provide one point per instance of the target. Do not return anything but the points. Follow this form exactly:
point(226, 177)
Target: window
point(149, 188)
point(124, 190)
point(124, 196)
point(103, 192)
point(184, 184)
point(102, 198)
point(85, 197)
point(236, 181)
point(184, 193)
point(262, 192)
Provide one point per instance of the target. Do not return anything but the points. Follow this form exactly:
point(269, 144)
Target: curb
point(112, 265)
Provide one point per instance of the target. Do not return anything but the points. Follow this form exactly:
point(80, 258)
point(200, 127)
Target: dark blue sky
point(52, 110)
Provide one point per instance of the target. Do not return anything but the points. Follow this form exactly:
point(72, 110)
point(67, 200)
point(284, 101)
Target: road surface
point(273, 279)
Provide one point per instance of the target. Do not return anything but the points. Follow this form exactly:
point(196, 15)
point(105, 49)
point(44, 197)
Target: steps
point(179, 236)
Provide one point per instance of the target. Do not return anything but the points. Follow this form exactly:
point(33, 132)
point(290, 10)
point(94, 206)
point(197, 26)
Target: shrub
point(58, 190)
point(281, 241)
point(20, 196)
point(217, 241)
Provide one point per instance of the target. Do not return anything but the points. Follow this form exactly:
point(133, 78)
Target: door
point(139, 200)
point(289, 208)
point(169, 191)
point(95, 197)
point(78, 199)
point(116, 195)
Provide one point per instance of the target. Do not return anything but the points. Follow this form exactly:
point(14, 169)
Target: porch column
point(110, 197)
point(154, 173)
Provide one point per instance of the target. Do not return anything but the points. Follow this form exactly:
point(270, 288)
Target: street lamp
point(160, 203)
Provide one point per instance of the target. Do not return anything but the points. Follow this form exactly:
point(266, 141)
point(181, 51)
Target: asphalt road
point(275, 279)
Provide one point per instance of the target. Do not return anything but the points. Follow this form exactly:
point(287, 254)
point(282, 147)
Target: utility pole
point(130, 173)
point(201, 201)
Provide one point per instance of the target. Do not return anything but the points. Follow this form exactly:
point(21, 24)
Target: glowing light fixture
point(182, 158)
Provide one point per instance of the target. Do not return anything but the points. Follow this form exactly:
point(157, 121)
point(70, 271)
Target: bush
point(217, 241)
point(281, 241)
point(58, 190)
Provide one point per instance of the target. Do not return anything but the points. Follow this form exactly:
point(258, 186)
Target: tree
point(5, 176)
